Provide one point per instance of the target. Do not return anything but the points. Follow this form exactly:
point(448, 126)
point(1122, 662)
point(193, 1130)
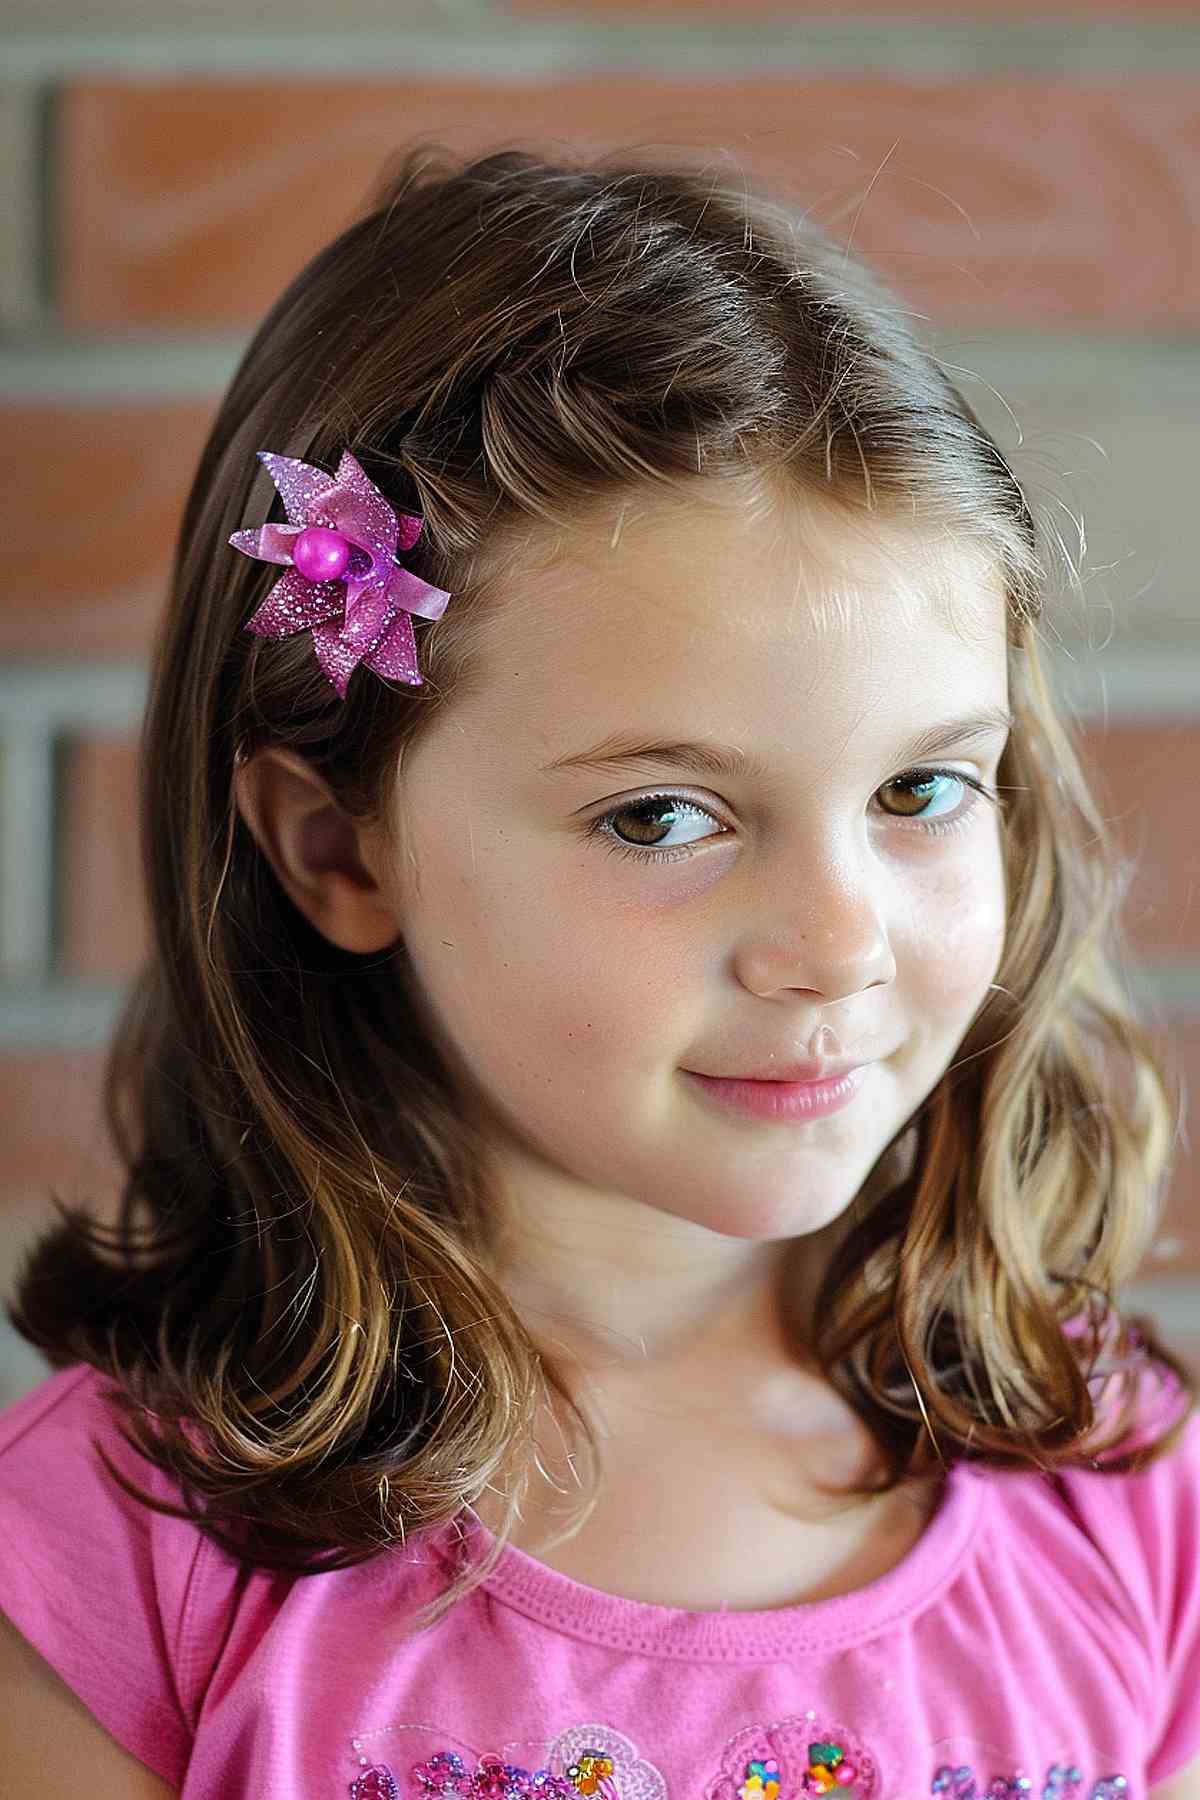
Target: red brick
point(54, 1139)
point(55, 1130)
point(90, 508)
point(1176, 1247)
point(1144, 775)
point(101, 920)
point(991, 200)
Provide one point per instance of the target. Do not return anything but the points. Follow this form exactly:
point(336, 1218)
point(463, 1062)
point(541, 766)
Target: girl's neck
point(709, 1498)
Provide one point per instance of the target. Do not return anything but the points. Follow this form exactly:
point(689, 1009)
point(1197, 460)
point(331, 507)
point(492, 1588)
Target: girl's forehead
point(705, 573)
point(701, 622)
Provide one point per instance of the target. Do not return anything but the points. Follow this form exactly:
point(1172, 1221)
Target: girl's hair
point(295, 1299)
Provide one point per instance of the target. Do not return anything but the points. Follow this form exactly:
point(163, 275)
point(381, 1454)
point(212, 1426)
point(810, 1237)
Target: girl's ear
point(322, 857)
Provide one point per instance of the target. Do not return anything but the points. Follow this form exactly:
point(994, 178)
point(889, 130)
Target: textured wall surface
point(1031, 185)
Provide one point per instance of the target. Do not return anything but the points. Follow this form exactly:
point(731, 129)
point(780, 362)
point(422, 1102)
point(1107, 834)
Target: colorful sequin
point(375, 1783)
point(762, 1780)
point(592, 1773)
point(788, 1760)
point(1061, 1783)
point(491, 1779)
point(800, 1757)
point(829, 1772)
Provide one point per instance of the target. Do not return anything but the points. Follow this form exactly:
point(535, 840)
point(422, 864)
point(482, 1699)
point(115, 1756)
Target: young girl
point(633, 1120)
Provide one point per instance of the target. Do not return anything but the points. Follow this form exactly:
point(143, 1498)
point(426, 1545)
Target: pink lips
point(783, 1099)
point(809, 1069)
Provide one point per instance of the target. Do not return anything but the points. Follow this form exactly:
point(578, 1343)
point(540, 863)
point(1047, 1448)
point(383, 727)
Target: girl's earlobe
point(318, 853)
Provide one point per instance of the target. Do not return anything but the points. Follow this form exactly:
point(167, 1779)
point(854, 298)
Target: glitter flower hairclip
point(343, 582)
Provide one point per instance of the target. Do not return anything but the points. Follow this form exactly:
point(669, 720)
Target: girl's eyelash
point(958, 821)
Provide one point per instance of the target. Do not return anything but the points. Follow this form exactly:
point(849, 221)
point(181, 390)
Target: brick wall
point(1032, 185)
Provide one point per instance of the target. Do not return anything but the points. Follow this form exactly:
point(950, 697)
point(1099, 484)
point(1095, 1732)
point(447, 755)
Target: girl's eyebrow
point(708, 758)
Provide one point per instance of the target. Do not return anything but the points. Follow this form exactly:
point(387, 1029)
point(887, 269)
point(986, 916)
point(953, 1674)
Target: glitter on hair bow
point(343, 582)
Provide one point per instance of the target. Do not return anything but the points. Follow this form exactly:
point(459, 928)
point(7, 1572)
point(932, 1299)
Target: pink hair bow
point(343, 582)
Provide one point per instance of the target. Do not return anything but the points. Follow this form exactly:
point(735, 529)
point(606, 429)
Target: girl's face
point(582, 936)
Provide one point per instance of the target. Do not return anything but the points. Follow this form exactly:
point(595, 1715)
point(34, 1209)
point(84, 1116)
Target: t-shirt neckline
point(813, 1627)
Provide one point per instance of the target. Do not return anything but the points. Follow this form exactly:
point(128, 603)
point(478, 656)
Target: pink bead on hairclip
point(343, 582)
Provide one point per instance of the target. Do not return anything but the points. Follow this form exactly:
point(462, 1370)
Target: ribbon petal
point(370, 523)
point(368, 615)
point(299, 484)
point(401, 530)
point(269, 543)
point(395, 655)
point(295, 604)
point(410, 528)
point(407, 590)
point(338, 661)
point(352, 475)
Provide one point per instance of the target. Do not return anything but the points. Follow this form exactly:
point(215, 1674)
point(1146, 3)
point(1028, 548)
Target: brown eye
point(646, 821)
point(644, 824)
point(915, 786)
point(919, 790)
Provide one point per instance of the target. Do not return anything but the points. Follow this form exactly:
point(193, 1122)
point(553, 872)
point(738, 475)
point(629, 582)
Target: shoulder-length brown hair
point(295, 1302)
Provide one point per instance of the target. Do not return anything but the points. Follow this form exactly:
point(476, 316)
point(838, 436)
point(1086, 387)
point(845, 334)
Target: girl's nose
point(831, 942)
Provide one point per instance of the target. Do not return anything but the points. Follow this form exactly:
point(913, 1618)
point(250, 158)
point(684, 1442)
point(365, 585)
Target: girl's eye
point(650, 819)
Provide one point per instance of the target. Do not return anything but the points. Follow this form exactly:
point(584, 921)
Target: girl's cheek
point(960, 934)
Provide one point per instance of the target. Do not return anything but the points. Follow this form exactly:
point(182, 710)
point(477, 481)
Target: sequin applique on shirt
point(801, 1757)
point(583, 1760)
point(797, 1758)
point(804, 1755)
point(1061, 1783)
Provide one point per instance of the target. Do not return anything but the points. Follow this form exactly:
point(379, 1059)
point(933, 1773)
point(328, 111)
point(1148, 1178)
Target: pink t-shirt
point(1044, 1628)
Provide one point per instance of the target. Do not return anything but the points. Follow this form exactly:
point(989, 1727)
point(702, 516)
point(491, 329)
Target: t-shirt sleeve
point(97, 1582)
point(1148, 1527)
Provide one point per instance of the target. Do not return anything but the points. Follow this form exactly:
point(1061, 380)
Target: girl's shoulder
point(1149, 1513)
point(1147, 1517)
point(47, 1419)
point(1127, 1545)
point(106, 1589)
point(54, 1444)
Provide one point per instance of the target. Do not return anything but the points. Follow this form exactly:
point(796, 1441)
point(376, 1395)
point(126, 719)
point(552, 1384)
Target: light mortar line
point(59, 1016)
point(1166, 990)
point(1173, 1303)
point(47, 366)
point(97, 697)
point(515, 50)
point(1125, 684)
point(21, 1366)
point(1119, 684)
point(26, 849)
point(20, 267)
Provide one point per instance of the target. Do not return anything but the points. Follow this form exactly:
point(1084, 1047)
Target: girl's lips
point(782, 1099)
point(826, 1069)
